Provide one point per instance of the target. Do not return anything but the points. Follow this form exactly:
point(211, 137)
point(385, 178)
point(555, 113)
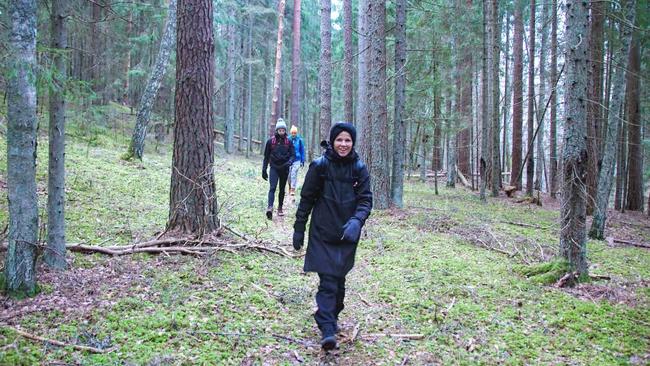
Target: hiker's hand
point(351, 231)
point(298, 239)
point(265, 175)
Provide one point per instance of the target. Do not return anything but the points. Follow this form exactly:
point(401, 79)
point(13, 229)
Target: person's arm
point(308, 196)
point(364, 196)
point(267, 155)
point(302, 153)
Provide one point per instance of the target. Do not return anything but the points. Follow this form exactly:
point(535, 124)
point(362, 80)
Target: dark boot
point(328, 342)
point(269, 212)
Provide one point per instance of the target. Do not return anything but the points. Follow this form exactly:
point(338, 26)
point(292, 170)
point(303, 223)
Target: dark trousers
point(275, 176)
point(329, 298)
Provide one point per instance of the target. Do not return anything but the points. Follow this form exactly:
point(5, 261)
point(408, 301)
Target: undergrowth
point(418, 271)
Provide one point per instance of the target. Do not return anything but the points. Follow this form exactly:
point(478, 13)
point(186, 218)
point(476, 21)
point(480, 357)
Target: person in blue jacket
point(336, 193)
point(298, 162)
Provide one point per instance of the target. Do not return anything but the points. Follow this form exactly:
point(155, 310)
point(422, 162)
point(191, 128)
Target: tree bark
point(20, 275)
point(486, 97)
point(541, 99)
point(594, 109)
point(362, 121)
point(249, 88)
point(275, 99)
point(517, 97)
point(621, 166)
point(229, 128)
point(553, 117)
point(193, 203)
point(136, 147)
point(635, 151)
point(399, 127)
point(55, 253)
point(619, 57)
point(464, 82)
point(380, 174)
point(530, 162)
point(506, 96)
point(573, 243)
point(325, 71)
point(348, 71)
point(295, 66)
point(494, 100)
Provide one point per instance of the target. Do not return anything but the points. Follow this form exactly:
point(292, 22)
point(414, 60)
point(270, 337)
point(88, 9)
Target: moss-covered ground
point(427, 269)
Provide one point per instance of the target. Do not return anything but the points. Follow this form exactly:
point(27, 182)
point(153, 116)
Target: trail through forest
point(446, 280)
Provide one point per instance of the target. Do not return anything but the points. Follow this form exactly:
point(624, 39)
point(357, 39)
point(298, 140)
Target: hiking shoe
point(280, 212)
point(269, 213)
point(292, 191)
point(328, 343)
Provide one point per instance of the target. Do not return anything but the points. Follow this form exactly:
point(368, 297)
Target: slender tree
point(249, 87)
point(635, 151)
point(380, 174)
point(541, 98)
point(464, 82)
point(399, 127)
point(506, 95)
point(494, 98)
point(594, 109)
point(486, 96)
point(517, 96)
point(55, 253)
point(348, 71)
point(362, 121)
point(573, 243)
point(619, 59)
point(136, 147)
point(275, 98)
point(325, 71)
point(20, 276)
point(193, 204)
point(295, 66)
point(229, 130)
point(553, 117)
point(530, 162)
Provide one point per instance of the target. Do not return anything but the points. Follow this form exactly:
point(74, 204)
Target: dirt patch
point(77, 292)
point(624, 293)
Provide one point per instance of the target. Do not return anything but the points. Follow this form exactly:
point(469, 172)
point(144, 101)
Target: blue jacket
point(299, 147)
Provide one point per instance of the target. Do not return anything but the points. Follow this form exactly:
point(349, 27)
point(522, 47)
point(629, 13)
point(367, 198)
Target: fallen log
point(631, 243)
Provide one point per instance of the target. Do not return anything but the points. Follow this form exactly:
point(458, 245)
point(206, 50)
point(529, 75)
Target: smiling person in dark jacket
point(336, 193)
point(279, 153)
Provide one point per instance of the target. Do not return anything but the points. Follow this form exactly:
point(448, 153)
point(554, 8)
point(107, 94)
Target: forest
point(500, 144)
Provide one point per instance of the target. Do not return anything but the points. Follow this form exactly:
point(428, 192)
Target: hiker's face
point(343, 144)
point(282, 131)
point(294, 133)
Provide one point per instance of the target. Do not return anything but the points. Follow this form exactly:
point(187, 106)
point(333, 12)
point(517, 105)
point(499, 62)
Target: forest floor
point(455, 274)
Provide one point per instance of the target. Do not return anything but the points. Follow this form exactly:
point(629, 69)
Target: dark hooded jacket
point(335, 190)
point(280, 155)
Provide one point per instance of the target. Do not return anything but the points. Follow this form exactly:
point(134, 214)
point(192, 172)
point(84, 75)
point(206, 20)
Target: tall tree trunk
point(20, 276)
point(553, 117)
point(136, 147)
point(325, 71)
point(295, 66)
point(229, 128)
point(635, 151)
point(55, 253)
point(485, 101)
point(621, 166)
point(530, 162)
point(277, 73)
point(609, 156)
point(399, 128)
point(517, 97)
point(193, 203)
point(594, 109)
point(494, 95)
point(506, 96)
point(573, 243)
point(249, 87)
point(362, 121)
point(541, 99)
point(378, 106)
point(464, 82)
point(348, 71)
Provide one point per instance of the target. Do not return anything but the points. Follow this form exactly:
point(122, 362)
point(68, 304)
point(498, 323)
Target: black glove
point(302, 164)
point(298, 239)
point(265, 175)
point(351, 231)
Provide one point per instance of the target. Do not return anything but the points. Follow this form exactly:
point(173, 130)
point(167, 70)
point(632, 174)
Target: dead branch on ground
point(59, 343)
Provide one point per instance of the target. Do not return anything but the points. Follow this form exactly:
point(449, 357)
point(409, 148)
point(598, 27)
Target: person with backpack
point(336, 193)
point(298, 162)
point(279, 153)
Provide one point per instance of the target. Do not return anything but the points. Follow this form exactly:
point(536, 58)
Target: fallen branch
point(631, 243)
point(525, 225)
point(364, 300)
point(59, 343)
point(412, 337)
